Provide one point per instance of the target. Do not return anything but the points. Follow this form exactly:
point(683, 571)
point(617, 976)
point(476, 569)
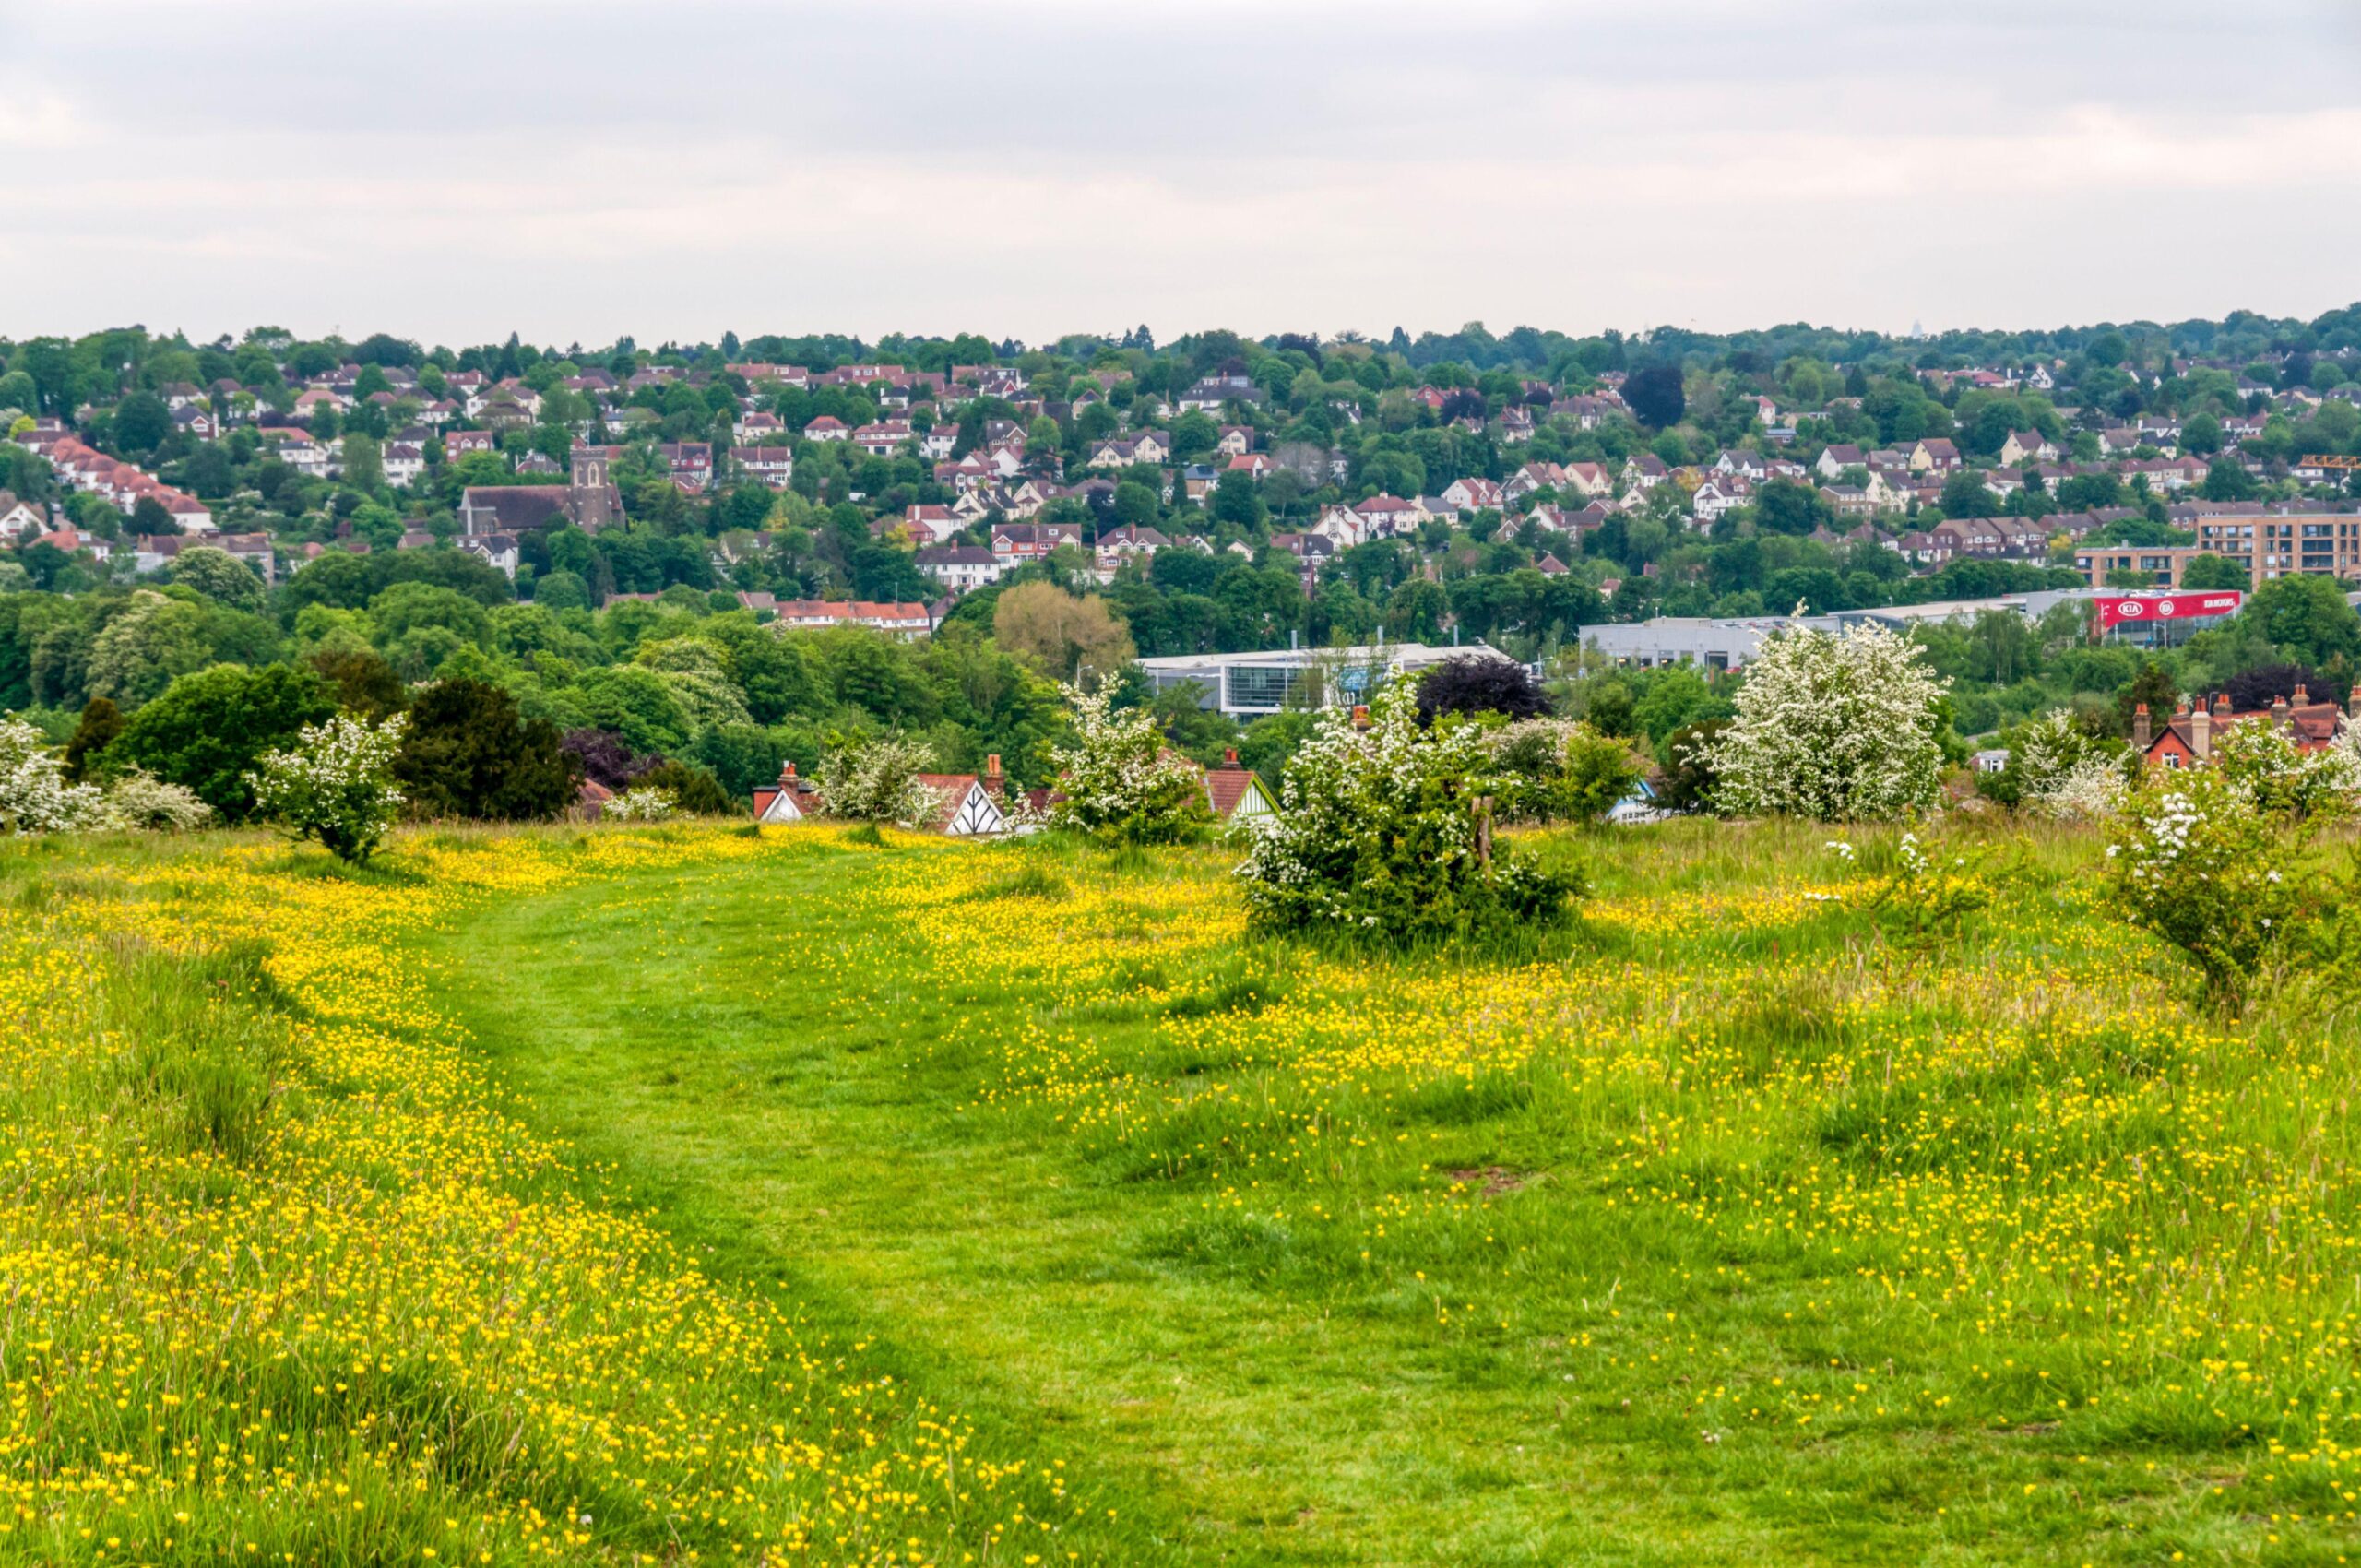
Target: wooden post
point(1484, 829)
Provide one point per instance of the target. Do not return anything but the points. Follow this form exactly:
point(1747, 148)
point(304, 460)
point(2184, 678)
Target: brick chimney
point(2200, 732)
point(2221, 704)
point(2140, 730)
point(1229, 756)
point(787, 776)
point(2301, 699)
point(994, 784)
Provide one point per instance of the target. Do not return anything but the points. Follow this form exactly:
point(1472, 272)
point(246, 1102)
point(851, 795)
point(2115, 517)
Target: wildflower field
point(676, 1193)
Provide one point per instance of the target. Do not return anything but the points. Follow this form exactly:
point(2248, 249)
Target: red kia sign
point(2130, 611)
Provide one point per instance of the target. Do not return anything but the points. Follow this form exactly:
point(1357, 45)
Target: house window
point(2172, 760)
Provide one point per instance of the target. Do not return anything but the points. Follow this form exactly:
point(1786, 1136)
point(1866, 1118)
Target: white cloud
point(34, 120)
point(1043, 167)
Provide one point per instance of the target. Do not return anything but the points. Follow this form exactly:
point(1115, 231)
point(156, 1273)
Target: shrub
point(2092, 790)
point(1924, 899)
point(34, 795)
point(139, 802)
point(1473, 683)
point(2281, 777)
point(210, 731)
point(878, 781)
point(100, 722)
point(1380, 835)
point(639, 803)
point(692, 790)
point(335, 786)
point(2059, 766)
point(1690, 781)
point(603, 758)
point(2195, 861)
point(1554, 771)
point(1839, 728)
point(1121, 784)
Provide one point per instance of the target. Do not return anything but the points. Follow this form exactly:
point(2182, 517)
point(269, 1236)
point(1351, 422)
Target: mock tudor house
point(972, 803)
point(1235, 794)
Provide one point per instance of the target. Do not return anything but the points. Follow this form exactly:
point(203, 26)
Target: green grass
point(1577, 1303)
point(1723, 1225)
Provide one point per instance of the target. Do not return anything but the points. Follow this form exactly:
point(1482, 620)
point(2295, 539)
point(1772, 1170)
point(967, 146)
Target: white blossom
point(336, 786)
point(34, 795)
point(1836, 727)
point(878, 781)
point(1119, 781)
point(640, 804)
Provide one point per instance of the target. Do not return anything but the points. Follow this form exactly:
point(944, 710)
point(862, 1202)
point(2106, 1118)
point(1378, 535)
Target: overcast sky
point(575, 171)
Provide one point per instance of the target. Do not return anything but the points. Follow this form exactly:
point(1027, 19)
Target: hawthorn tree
point(1836, 727)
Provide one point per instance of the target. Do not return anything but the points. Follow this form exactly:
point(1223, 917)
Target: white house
point(20, 519)
point(962, 568)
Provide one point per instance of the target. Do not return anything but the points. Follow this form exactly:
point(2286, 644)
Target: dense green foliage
point(697, 676)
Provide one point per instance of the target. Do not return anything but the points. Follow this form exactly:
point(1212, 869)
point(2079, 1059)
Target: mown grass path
point(1460, 1347)
point(664, 1025)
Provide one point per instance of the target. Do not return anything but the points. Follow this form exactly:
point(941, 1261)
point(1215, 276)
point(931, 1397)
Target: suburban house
point(789, 800)
point(2186, 739)
point(773, 465)
point(1030, 541)
point(1384, 516)
point(1835, 458)
point(20, 519)
point(691, 463)
point(968, 807)
point(2024, 446)
point(1934, 455)
point(962, 568)
point(881, 439)
point(1235, 794)
point(1473, 494)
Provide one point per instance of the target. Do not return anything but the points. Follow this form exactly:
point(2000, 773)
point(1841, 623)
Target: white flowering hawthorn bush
point(877, 781)
point(335, 786)
point(34, 795)
point(2196, 861)
point(2283, 778)
point(2092, 790)
point(139, 802)
point(640, 804)
point(2059, 767)
point(1837, 727)
point(1120, 782)
point(1379, 835)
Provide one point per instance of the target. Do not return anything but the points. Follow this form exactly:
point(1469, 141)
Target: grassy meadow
point(686, 1194)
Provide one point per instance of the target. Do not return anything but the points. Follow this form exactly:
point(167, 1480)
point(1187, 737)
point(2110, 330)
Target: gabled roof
point(1231, 785)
